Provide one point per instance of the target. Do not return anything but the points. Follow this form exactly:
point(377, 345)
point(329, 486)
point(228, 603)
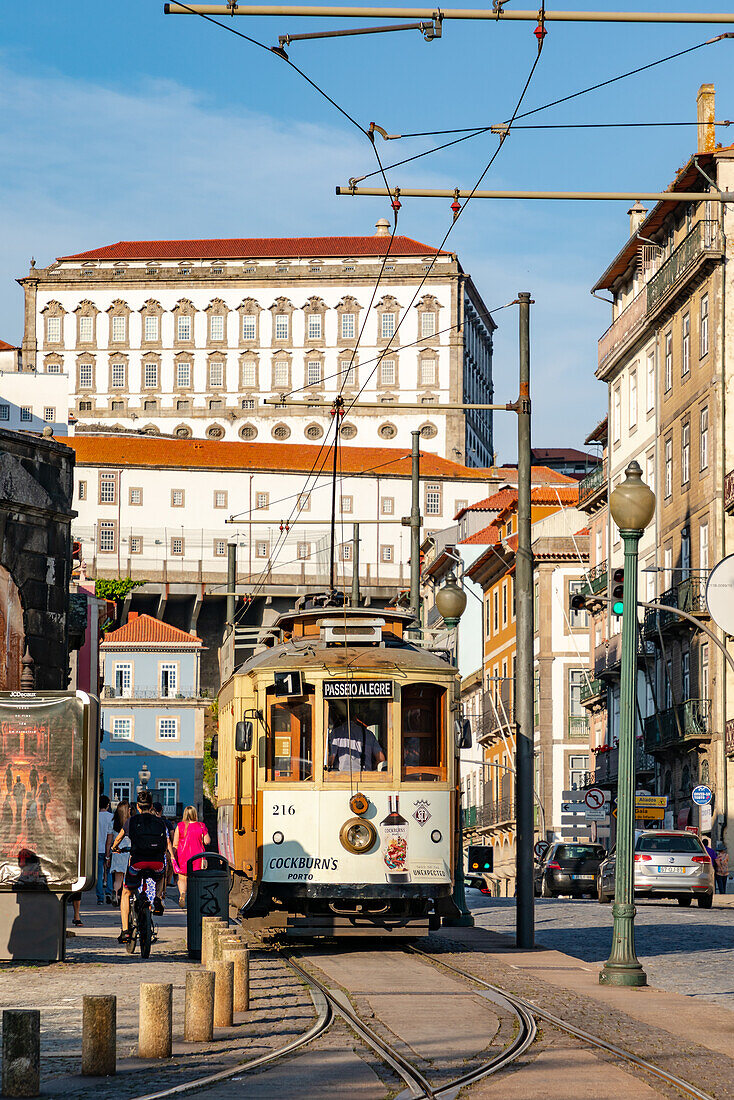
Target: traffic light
point(578, 602)
point(618, 591)
point(480, 859)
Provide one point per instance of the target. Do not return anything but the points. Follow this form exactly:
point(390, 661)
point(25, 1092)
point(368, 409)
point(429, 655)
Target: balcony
point(578, 726)
point(626, 324)
point(496, 813)
point(593, 694)
point(606, 768)
point(729, 492)
point(679, 727)
point(688, 596)
point(703, 242)
point(469, 817)
point(114, 692)
point(496, 716)
point(595, 584)
point(592, 488)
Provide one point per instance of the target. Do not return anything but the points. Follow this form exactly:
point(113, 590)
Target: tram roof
point(309, 653)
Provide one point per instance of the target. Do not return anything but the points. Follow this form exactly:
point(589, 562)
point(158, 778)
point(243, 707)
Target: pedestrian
point(706, 841)
point(189, 839)
point(121, 857)
point(721, 867)
point(105, 836)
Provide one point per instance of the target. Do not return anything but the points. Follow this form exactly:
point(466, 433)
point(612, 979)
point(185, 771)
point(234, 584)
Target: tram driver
point(352, 745)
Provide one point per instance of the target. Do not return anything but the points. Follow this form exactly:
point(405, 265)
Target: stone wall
point(36, 483)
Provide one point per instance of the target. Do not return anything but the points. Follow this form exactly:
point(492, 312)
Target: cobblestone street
point(687, 951)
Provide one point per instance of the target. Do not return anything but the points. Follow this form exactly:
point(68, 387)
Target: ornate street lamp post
point(632, 505)
point(451, 603)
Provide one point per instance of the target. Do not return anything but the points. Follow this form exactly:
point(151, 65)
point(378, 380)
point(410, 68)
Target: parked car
point(476, 882)
point(568, 869)
point(667, 865)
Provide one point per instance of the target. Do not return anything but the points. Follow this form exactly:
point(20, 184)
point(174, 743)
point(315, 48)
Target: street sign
point(705, 818)
point(595, 798)
point(720, 594)
point(701, 795)
point(573, 807)
point(540, 848)
point(650, 813)
point(646, 800)
point(602, 814)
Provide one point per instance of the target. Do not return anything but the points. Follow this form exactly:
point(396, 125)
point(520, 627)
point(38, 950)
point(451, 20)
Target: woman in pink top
point(189, 839)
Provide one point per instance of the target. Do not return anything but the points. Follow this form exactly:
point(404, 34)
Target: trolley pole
point(415, 529)
point(524, 716)
point(231, 581)
point(355, 565)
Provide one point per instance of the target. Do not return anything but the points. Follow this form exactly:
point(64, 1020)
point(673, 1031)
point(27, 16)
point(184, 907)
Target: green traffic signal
point(618, 591)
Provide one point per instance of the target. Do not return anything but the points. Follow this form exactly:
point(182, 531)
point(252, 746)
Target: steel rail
point(324, 1019)
point(500, 15)
point(593, 1040)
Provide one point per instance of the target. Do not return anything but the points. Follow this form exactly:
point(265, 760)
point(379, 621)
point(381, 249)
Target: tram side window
point(357, 738)
point(290, 742)
point(423, 733)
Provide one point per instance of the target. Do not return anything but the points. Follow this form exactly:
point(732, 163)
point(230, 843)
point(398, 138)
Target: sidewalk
point(96, 964)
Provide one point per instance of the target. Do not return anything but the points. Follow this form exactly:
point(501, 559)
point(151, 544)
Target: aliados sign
point(358, 689)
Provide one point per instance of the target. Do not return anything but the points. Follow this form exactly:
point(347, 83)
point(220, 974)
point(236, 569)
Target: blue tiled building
point(152, 713)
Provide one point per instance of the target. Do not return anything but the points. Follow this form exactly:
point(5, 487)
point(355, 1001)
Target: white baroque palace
point(187, 338)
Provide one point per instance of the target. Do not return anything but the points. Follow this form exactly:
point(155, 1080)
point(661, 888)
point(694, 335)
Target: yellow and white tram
point(337, 783)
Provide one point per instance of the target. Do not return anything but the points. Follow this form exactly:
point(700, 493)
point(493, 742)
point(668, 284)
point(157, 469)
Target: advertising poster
point(42, 775)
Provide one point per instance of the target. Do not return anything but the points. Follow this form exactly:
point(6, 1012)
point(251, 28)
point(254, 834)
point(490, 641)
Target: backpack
point(148, 836)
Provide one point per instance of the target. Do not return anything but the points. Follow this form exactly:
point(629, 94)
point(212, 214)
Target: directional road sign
point(659, 800)
point(602, 814)
point(650, 813)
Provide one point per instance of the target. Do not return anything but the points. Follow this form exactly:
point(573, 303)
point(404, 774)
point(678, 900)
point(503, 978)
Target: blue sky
point(119, 122)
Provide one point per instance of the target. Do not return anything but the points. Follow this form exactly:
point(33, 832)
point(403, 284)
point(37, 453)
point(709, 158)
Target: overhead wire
point(557, 126)
point(536, 110)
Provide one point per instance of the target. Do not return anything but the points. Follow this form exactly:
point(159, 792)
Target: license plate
point(671, 870)
point(584, 878)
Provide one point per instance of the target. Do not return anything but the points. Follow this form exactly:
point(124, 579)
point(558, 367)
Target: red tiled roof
point(7, 347)
point(539, 494)
point(488, 536)
point(147, 631)
point(154, 451)
point(244, 248)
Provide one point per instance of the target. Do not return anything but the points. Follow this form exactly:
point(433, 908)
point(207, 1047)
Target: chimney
point(637, 214)
point(705, 104)
point(131, 616)
point(382, 227)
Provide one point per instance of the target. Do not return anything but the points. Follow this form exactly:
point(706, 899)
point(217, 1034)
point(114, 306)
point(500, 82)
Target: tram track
point(520, 1004)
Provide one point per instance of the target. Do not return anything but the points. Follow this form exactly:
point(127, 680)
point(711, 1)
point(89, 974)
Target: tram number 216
point(284, 811)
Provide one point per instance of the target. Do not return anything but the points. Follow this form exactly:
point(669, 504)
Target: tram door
point(290, 748)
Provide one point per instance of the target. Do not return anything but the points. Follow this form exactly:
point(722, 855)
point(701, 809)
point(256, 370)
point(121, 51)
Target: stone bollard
point(240, 956)
point(220, 933)
point(156, 1020)
point(99, 1036)
point(21, 1052)
point(223, 993)
point(209, 932)
point(199, 1010)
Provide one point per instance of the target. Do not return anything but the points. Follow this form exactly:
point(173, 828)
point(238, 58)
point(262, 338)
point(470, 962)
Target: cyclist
point(149, 843)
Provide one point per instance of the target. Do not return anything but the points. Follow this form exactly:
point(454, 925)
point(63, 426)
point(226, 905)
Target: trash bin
point(207, 895)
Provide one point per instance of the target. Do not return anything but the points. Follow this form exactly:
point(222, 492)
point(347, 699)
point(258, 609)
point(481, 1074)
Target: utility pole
point(231, 581)
point(524, 713)
point(355, 565)
point(338, 406)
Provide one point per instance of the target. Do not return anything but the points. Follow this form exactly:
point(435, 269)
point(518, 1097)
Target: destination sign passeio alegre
point(358, 689)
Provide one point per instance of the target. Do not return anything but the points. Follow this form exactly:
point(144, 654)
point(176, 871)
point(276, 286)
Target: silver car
point(667, 865)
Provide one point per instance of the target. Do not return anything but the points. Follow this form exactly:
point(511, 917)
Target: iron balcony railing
point(592, 690)
point(606, 767)
point(703, 239)
point(135, 692)
point(689, 596)
point(496, 813)
point(578, 726)
point(680, 725)
point(469, 817)
point(593, 483)
point(496, 715)
point(729, 491)
point(596, 580)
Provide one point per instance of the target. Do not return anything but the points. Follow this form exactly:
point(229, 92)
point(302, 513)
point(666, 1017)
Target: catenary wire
point(557, 126)
point(543, 107)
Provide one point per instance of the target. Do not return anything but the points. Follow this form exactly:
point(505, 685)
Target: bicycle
point(141, 924)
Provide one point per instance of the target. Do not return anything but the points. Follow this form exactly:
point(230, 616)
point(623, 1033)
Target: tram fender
point(446, 907)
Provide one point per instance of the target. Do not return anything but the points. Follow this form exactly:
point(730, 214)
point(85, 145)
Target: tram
point(338, 777)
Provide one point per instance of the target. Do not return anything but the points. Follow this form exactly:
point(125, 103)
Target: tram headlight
point(436, 836)
point(357, 835)
point(278, 838)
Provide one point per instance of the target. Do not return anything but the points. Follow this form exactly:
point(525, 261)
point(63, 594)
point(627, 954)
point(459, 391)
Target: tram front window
point(423, 722)
point(357, 736)
point(290, 752)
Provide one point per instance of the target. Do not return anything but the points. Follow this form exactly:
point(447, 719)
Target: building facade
point(664, 361)
point(152, 714)
point(188, 338)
